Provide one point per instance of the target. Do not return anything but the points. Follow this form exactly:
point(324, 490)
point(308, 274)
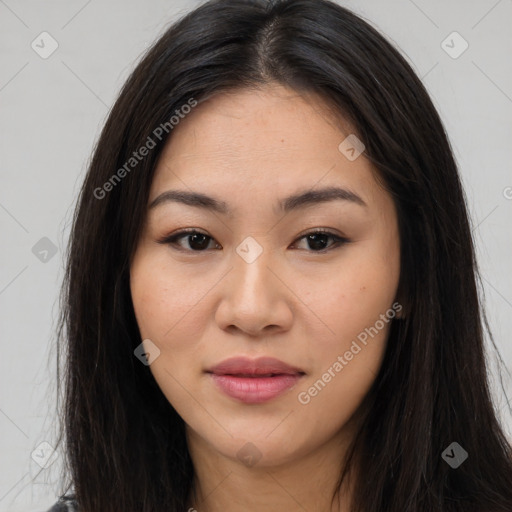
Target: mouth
point(254, 381)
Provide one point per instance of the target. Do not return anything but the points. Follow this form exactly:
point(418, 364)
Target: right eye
point(196, 241)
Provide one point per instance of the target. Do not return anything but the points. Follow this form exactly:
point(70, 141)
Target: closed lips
point(254, 381)
point(261, 367)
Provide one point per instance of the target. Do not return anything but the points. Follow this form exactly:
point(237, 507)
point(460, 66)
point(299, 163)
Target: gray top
point(65, 504)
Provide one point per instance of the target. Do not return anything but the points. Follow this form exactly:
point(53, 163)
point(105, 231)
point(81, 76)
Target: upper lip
point(259, 366)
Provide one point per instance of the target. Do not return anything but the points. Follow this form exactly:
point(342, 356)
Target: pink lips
point(254, 380)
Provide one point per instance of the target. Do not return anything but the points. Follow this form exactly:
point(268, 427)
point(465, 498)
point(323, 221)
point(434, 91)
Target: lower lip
point(255, 389)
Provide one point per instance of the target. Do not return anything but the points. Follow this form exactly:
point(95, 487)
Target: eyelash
point(172, 239)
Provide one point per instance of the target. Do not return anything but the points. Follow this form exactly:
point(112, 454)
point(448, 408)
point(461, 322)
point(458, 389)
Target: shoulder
point(65, 504)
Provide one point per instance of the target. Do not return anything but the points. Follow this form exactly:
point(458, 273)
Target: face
point(310, 281)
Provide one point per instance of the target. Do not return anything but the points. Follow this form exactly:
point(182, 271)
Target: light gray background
point(52, 111)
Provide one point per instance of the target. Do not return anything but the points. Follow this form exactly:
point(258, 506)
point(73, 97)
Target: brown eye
point(317, 240)
point(195, 240)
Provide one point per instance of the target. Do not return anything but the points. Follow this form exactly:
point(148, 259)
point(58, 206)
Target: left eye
point(199, 242)
point(318, 240)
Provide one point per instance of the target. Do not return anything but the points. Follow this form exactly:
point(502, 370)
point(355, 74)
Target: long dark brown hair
point(124, 442)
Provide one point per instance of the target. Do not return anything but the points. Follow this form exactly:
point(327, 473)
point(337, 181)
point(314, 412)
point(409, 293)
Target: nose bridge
point(252, 275)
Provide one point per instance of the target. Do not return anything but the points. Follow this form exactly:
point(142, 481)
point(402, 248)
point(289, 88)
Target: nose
point(255, 298)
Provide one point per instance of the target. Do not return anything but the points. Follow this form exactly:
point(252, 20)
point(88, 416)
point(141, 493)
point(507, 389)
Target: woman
point(271, 300)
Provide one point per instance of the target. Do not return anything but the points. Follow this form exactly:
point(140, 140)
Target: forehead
point(256, 141)
point(257, 121)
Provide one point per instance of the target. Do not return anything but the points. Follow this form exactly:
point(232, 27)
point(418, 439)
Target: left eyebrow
point(293, 202)
point(322, 195)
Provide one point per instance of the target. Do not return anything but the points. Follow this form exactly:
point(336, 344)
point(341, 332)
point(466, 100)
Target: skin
point(250, 148)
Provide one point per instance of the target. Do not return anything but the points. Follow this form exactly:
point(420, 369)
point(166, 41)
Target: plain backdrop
point(52, 110)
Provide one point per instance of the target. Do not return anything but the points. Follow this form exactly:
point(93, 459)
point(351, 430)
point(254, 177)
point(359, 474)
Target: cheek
point(353, 295)
point(347, 360)
point(164, 299)
point(167, 312)
point(354, 305)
